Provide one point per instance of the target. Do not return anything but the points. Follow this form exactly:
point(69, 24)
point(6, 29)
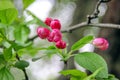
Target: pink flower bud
point(61, 44)
point(55, 36)
point(43, 32)
point(55, 24)
point(48, 21)
point(101, 43)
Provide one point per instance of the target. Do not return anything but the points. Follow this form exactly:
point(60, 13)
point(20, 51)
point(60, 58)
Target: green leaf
point(75, 74)
point(8, 16)
point(92, 76)
point(110, 77)
point(5, 74)
point(21, 34)
point(2, 30)
point(2, 60)
point(28, 50)
point(5, 4)
point(8, 13)
point(21, 64)
point(36, 19)
point(8, 53)
point(1, 37)
point(82, 42)
point(92, 62)
point(18, 46)
point(26, 3)
point(50, 51)
point(75, 78)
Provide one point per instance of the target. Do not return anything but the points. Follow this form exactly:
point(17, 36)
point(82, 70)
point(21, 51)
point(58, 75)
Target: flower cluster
point(53, 34)
point(101, 43)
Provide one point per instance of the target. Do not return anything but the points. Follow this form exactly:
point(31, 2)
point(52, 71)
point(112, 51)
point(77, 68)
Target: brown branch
point(85, 24)
point(97, 11)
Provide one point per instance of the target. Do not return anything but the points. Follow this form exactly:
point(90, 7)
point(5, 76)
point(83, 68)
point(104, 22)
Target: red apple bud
point(61, 44)
point(55, 24)
point(48, 21)
point(43, 32)
point(101, 43)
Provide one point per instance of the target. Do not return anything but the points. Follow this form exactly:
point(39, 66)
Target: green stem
point(70, 53)
point(26, 77)
point(24, 70)
point(35, 59)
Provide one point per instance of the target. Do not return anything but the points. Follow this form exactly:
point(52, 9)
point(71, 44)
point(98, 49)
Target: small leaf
point(26, 3)
point(92, 62)
point(5, 74)
point(21, 64)
point(8, 13)
point(21, 34)
point(82, 42)
point(75, 74)
point(8, 53)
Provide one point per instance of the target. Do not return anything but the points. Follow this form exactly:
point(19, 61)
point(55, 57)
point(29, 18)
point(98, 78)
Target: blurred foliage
point(26, 3)
point(5, 74)
point(14, 37)
point(7, 12)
